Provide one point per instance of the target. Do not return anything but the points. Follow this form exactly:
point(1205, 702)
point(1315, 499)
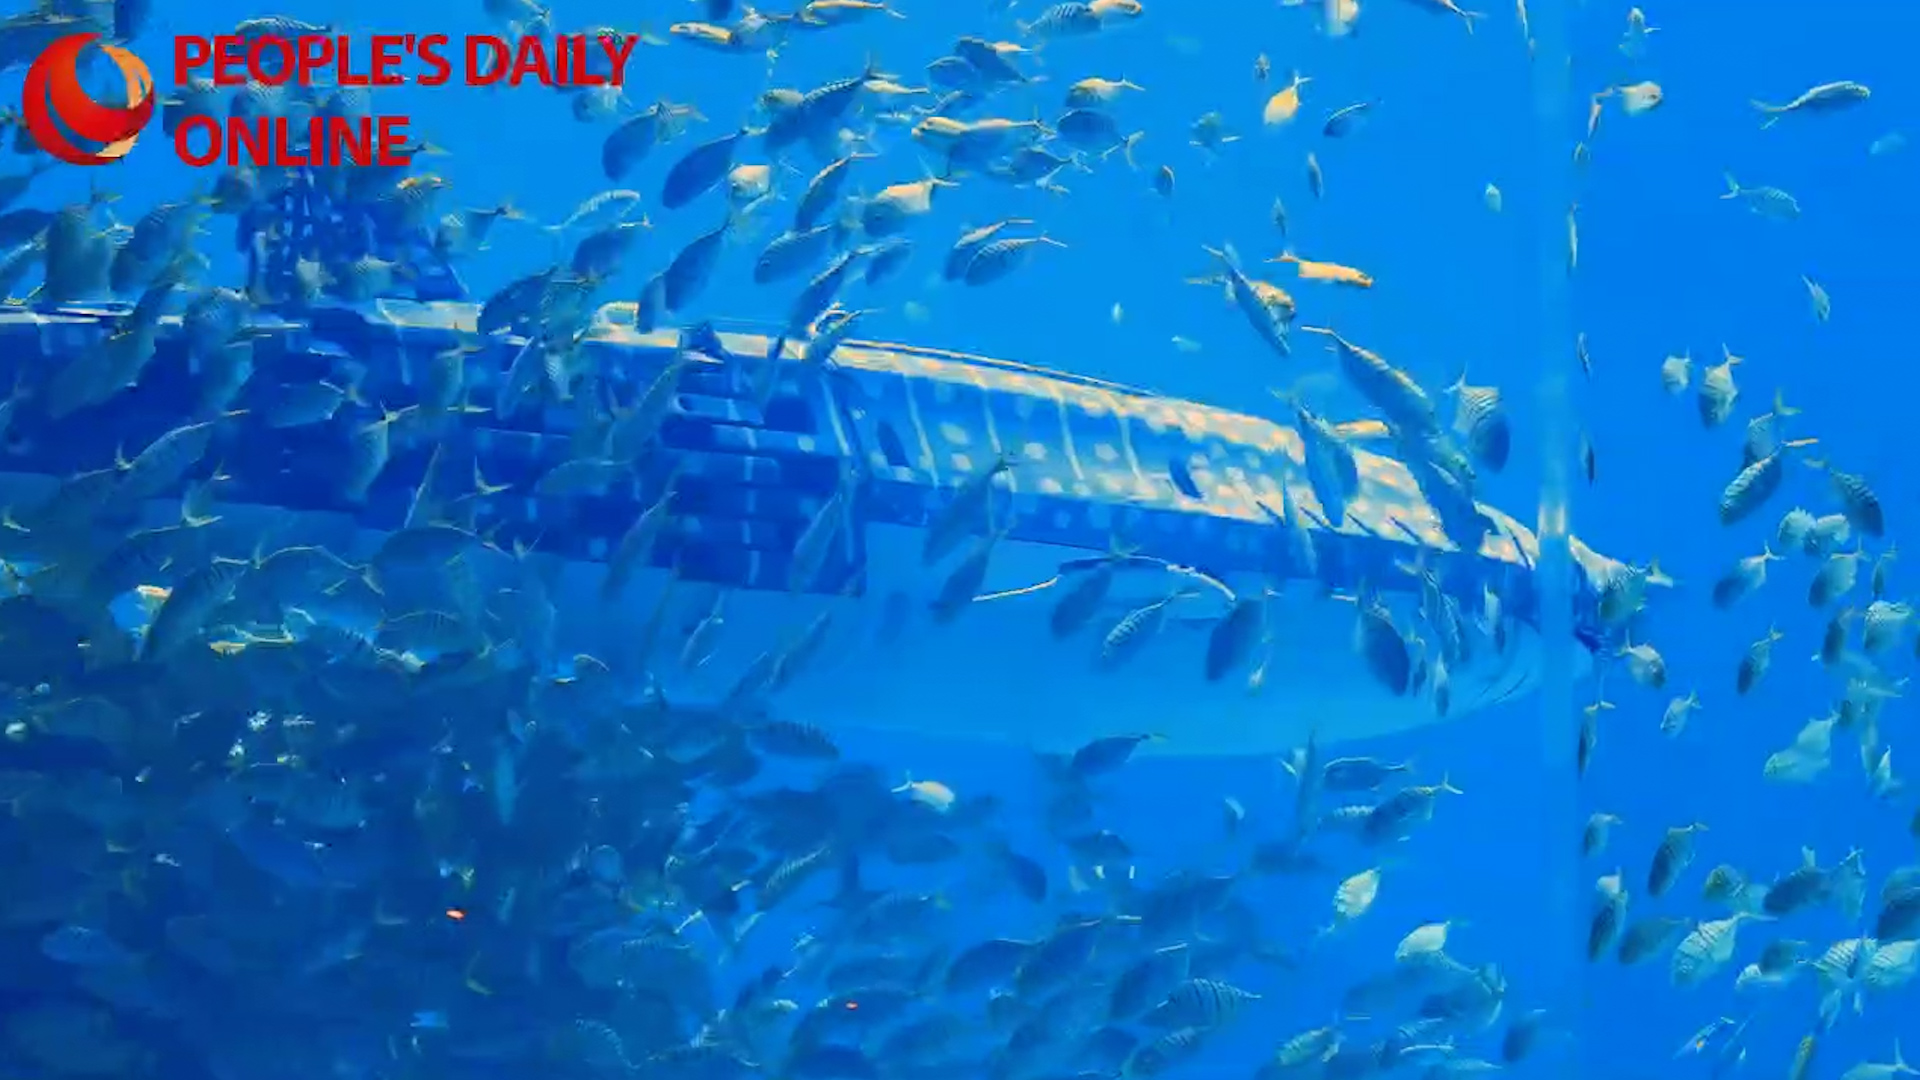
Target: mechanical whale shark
point(1184, 506)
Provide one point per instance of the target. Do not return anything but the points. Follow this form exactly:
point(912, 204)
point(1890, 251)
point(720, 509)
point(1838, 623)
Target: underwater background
point(1462, 286)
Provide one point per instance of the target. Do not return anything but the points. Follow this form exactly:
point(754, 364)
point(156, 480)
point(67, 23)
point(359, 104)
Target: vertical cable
point(1551, 334)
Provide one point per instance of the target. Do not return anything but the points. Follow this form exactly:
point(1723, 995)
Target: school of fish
point(289, 803)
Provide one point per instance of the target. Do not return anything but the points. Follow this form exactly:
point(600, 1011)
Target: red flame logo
point(58, 110)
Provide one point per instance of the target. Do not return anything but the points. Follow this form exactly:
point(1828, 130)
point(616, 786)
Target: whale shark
point(779, 463)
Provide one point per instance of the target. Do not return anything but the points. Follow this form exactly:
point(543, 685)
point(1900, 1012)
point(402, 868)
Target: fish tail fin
point(351, 390)
point(1470, 17)
point(1780, 406)
point(1657, 576)
point(1733, 186)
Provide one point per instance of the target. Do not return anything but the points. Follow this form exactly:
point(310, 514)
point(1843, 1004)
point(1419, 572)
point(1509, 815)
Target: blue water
point(1664, 266)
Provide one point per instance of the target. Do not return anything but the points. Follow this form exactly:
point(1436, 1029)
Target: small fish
point(998, 258)
point(1768, 202)
point(929, 793)
point(1599, 828)
point(1345, 121)
point(1825, 98)
point(1861, 507)
point(1210, 133)
point(1803, 1055)
point(1676, 373)
point(1480, 419)
point(1609, 915)
point(1134, 631)
point(1640, 98)
point(1449, 7)
point(1523, 1034)
point(1573, 238)
point(598, 212)
point(1718, 390)
point(1754, 485)
point(1234, 637)
point(1589, 740)
point(1645, 937)
point(965, 581)
point(1745, 577)
point(1380, 643)
point(1672, 857)
point(1883, 566)
point(1807, 757)
point(1284, 105)
point(1835, 578)
point(1095, 91)
point(1493, 198)
point(1706, 950)
point(699, 170)
point(1754, 664)
point(1822, 305)
point(1825, 535)
point(1634, 44)
point(1674, 720)
point(1762, 435)
point(1723, 883)
point(1339, 17)
point(1700, 1040)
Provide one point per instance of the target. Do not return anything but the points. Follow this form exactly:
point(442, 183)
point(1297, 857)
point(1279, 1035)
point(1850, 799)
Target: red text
point(231, 60)
point(274, 142)
point(565, 61)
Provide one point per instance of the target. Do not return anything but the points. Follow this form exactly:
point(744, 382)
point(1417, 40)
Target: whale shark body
point(1182, 506)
